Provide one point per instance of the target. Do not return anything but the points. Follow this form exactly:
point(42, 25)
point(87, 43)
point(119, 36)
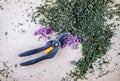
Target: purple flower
point(71, 41)
point(72, 62)
point(40, 31)
point(64, 44)
point(75, 41)
point(43, 31)
point(49, 30)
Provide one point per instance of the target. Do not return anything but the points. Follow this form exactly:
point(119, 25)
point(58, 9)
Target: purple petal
point(71, 41)
point(72, 62)
point(44, 32)
point(35, 33)
point(69, 38)
point(49, 31)
point(64, 44)
point(44, 35)
point(38, 31)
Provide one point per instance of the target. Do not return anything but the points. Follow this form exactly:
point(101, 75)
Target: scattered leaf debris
point(85, 18)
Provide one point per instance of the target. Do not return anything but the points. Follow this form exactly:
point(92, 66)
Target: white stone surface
point(15, 19)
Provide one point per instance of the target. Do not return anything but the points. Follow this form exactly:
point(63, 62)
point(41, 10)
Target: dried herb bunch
point(85, 18)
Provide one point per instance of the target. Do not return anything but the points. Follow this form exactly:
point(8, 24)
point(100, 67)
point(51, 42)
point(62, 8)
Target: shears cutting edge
point(50, 49)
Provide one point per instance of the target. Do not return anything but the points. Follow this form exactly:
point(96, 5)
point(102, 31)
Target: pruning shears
point(50, 49)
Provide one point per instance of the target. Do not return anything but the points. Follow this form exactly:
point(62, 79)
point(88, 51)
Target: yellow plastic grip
point(49, 49)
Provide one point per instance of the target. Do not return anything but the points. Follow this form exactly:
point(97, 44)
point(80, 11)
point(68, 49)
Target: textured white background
point(15, 19)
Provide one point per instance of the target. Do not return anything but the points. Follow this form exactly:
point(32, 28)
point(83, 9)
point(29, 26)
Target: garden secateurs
point(50, 49)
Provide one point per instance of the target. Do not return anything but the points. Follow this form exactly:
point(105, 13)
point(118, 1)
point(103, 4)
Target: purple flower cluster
point(43, 31)
point(71, 41)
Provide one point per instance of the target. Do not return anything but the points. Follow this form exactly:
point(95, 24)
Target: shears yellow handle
point(48, 50)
